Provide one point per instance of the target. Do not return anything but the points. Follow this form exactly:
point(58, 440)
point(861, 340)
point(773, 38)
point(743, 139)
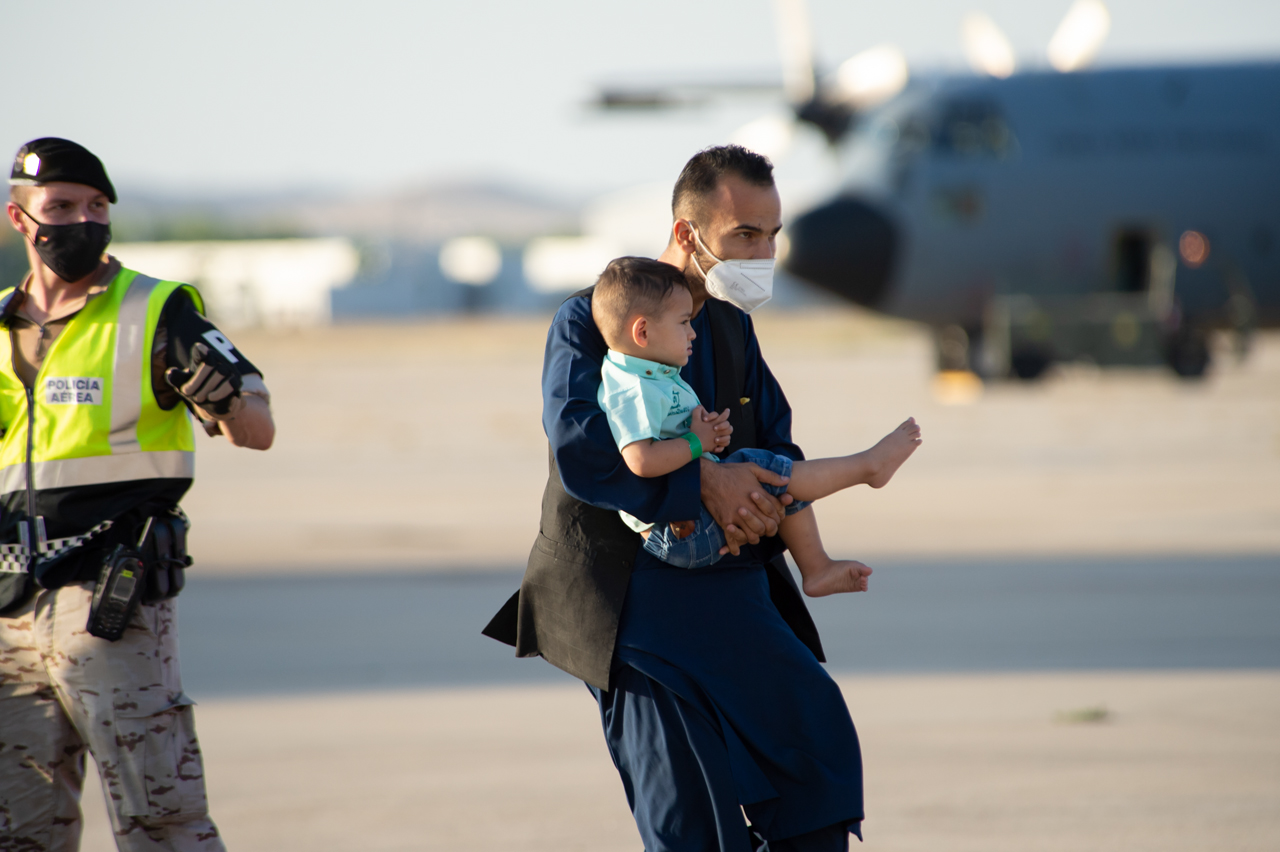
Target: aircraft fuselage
point(1052, 184)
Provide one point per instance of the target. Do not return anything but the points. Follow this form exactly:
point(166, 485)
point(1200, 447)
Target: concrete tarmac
point(420, 447)
point(1130, 762)
point(251, 636)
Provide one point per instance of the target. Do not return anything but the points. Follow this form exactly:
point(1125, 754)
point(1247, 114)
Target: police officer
point(99, 367)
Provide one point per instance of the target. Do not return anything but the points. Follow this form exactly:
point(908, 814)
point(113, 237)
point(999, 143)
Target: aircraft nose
point(845, 246)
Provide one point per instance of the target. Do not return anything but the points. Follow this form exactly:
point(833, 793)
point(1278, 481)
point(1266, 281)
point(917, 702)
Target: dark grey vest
point(570, 601)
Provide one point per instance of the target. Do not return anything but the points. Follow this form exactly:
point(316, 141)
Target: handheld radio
point(119, 590)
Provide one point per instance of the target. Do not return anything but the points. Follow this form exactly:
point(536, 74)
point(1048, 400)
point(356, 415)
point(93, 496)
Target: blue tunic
point(761, 723)
point(714, 637)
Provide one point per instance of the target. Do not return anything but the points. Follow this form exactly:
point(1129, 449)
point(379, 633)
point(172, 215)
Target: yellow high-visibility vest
point(91, 417)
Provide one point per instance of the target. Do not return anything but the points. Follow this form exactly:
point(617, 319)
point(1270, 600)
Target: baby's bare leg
point(814, 479)
point(819, 573)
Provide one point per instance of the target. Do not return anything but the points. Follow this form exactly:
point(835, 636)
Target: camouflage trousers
point(63, 692)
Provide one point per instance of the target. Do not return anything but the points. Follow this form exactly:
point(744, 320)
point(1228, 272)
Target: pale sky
point(242, 95)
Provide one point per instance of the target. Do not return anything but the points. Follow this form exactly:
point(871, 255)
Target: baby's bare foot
point(895, 448)
point(839, 576)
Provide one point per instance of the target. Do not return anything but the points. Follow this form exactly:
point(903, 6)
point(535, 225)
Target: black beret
point(50, 159)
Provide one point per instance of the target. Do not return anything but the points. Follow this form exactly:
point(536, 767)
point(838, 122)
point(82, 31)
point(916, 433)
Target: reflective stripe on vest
point(95, 470)
point(96, 417)
point(126, 392)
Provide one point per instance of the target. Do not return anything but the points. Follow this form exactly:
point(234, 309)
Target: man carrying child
point(708, 679)
point(644, 311)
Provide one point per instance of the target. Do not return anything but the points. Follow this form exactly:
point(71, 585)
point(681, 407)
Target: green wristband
point(695, 445)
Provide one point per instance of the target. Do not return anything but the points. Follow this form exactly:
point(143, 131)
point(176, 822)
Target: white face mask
point(747, 284)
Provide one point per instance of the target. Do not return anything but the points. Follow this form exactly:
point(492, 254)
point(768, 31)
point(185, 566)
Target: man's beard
point(697, 280)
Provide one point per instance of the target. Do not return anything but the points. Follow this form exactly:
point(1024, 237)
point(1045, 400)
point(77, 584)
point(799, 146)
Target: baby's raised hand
point(724, 429)
point(712, 429)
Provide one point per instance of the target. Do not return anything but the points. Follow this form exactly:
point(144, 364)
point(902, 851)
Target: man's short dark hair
point(702, 174)
point(630, 287)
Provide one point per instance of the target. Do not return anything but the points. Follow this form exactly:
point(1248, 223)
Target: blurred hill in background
point(427, 214)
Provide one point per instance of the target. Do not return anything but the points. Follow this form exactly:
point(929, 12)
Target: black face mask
point(71, 251)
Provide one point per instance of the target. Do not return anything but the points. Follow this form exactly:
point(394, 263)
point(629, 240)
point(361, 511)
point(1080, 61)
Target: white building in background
point(565, 264)
point(635, 221)
point(253, 282)
point(632, 221)
point(471, 260)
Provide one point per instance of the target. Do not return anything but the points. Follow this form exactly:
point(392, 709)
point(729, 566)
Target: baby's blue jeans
point(702, 547)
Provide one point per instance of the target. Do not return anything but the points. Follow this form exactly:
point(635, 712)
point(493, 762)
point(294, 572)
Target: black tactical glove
point(209, 383)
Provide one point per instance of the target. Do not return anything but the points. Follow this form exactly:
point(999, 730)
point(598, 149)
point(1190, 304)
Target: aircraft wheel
point(956, 347)
point(1029, 364)
point(1188, 353)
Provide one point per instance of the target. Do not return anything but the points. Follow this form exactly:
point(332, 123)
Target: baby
point(643, 309)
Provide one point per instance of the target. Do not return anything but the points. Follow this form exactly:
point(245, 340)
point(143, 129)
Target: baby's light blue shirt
point(642, 400)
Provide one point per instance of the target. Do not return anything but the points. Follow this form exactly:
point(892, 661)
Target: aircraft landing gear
point(961, 349)
point(1187, 352)
point(957, 348)
point(1029, 363)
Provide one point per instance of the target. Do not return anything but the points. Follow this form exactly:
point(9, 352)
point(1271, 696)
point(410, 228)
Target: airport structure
point(253, 282)
point(426, 268)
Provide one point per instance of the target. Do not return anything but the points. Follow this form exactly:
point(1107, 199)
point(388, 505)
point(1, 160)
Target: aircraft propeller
point(1074, 44)
point(986, 46)
point(1080, 35)
point(832, 102)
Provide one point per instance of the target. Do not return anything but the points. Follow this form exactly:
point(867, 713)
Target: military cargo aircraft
point(1115, 215)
